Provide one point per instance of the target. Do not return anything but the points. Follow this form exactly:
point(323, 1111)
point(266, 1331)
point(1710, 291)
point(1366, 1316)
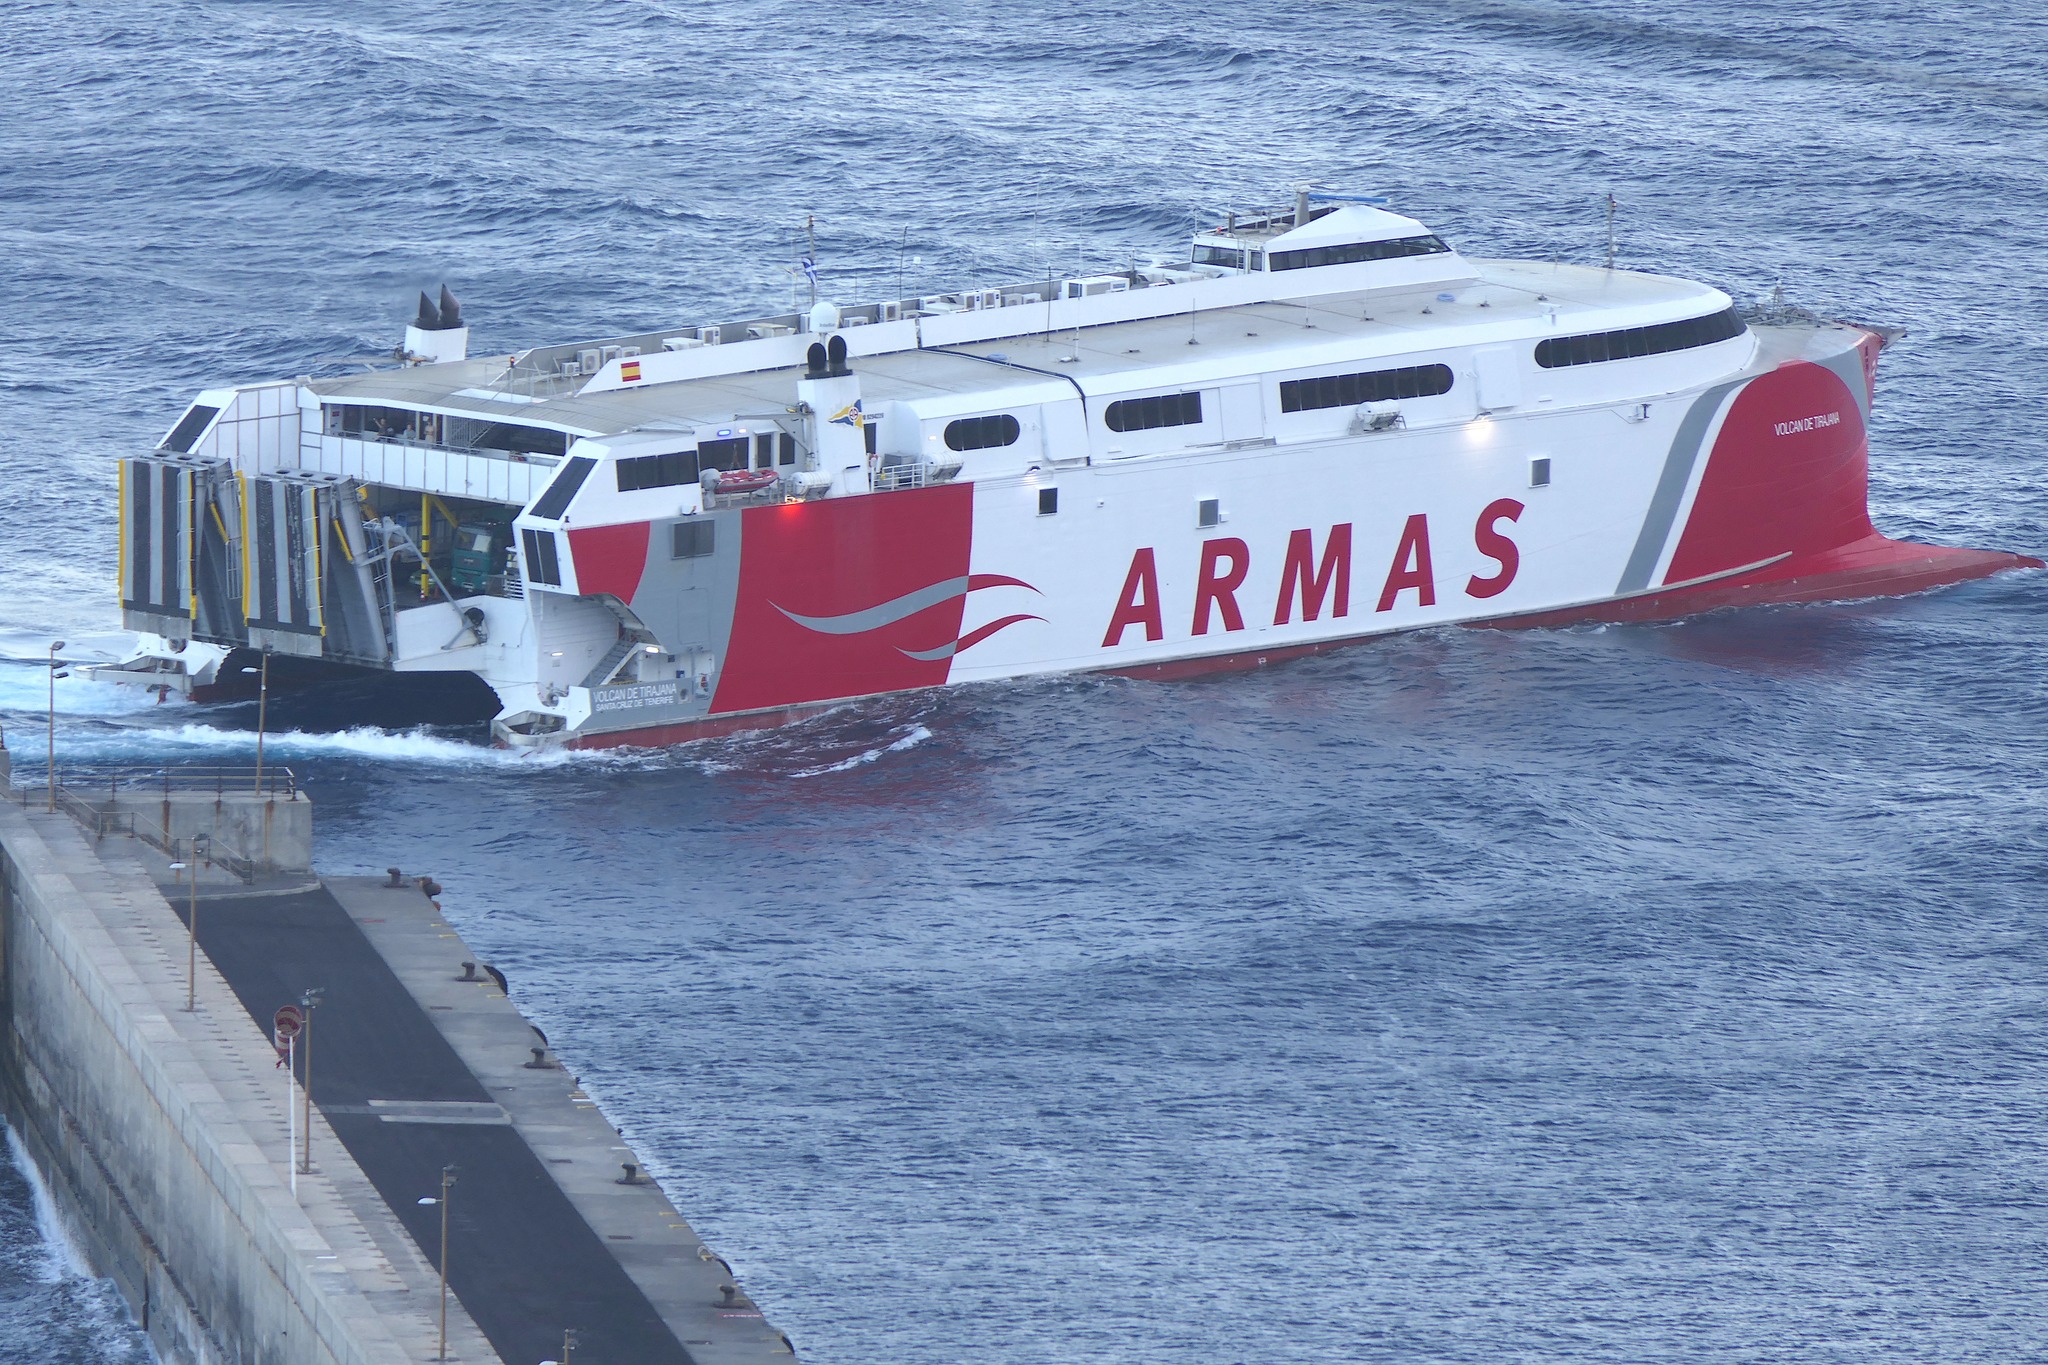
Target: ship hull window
point(1163, 410)
point(1557, 353)
point(982, 433)
point(1373, 386)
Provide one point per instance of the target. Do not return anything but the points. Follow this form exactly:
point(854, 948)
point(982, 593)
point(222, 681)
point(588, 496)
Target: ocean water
point(1667, 993)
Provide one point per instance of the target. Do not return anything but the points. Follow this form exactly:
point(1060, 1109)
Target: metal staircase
point(609, 664)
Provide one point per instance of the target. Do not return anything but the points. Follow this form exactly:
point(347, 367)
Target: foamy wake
point(191, 742)
point(63, 1256)
point(910, 738)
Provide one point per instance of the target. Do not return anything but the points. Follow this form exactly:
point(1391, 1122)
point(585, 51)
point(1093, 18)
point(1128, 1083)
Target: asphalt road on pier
point(520, 1258)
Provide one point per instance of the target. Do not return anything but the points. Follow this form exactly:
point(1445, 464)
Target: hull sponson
point(1786, 488)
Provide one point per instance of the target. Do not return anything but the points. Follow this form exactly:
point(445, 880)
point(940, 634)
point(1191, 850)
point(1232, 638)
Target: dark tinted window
point(727, 454)
point(1557, 353)
point(541, 564)
point(1048, 501)
point(868, 432)
point(785, 450)
point(691, 539)
point(1220, 255)
point(532, 440)
point(657, 471)
point(982, 433)
point(189, 426)
point(1348, 253)
point(1143, 414)
point(555, 500)
point(1371, 386)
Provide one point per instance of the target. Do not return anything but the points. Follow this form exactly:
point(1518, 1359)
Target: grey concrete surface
point(274, 832)
point(164, 1131)
point(681, 1277)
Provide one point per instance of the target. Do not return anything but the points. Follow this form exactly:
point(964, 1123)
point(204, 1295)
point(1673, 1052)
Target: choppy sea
point(1667, 993)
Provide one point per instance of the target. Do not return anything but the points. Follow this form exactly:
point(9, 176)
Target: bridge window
point(555, 500)
point(1163, 410)
point(1230, 256)
point(1370, 386)
point(982, 433)
point(189, 426)
point(725, 455)
point(1350, 253)
point(542, 565)
point(1557, 353)
point(657, 471)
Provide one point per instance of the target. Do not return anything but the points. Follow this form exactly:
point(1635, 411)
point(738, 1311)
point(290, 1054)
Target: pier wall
point(274, 832)
point(162, 1133)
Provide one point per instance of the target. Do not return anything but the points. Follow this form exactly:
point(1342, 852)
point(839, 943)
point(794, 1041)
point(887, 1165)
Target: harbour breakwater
point(242, 1222)
point(164, 1133)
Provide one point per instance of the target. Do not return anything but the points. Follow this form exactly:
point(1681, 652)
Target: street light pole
point(55, 645)
point(262, 708)
point(310, 1000)
point(447, 1183)
point(201, 847)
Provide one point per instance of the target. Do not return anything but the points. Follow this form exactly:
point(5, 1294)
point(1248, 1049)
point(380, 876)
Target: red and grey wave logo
point(885, 614)
point(848, 597)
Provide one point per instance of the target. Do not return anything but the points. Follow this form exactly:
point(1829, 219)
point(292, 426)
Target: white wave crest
point(912, 737)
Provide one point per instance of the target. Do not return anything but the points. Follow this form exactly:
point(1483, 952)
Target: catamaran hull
point(1748, 492)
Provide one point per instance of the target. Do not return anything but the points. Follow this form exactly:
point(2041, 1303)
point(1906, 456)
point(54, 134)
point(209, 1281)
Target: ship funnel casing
point(838, 423)
point(436, 346)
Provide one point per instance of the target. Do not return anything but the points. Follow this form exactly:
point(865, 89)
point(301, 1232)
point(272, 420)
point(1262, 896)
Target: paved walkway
point(522, 1259)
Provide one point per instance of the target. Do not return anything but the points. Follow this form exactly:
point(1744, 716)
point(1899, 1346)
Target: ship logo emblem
point(852, 415)
point(884, 614)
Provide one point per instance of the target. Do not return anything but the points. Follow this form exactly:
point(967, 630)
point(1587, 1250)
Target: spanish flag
point(629, 371)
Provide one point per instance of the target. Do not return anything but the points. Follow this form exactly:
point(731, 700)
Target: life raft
point(745, 480)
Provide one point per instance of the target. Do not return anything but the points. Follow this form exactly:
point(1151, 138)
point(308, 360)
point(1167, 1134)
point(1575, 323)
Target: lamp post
point(202, 845)
point(310, 1000)
point(55, 645)
point(447, 1183)
point(568, 1347)
point(262, 708)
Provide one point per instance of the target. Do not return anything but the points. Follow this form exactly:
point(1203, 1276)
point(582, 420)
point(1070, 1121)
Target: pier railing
point(221, 781)
point(93, 797)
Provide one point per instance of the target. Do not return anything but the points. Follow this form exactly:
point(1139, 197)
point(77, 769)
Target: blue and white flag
point(810, 269)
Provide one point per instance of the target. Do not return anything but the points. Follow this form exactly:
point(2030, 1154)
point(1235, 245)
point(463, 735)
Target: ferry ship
point(1320, 425)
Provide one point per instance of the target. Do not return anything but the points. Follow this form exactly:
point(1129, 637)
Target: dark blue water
point(1667, 993)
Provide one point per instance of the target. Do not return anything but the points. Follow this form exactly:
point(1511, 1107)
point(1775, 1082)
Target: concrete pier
point(164, 1132)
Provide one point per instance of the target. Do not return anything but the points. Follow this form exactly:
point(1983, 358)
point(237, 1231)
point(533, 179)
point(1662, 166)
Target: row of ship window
point(996, 430)
point(1372, 386)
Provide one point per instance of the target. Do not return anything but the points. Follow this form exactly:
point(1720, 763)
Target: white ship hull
point(1337, 459)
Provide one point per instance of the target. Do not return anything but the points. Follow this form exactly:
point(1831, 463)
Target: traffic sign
point(287, 1022)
